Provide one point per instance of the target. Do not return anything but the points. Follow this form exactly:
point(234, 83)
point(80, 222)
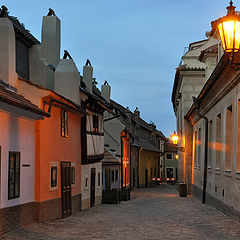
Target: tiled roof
point(212, 49)
point(110, 158)
point(22, 31)
point(9, 96)
point(170, 147)
point(145, 145)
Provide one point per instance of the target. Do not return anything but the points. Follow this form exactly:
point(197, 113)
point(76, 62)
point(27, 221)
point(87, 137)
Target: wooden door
point(107, 178)
point(146, 177)
point(92, 192)
point(66, 189)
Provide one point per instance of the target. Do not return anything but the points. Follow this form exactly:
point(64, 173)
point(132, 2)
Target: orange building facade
point(58, 159)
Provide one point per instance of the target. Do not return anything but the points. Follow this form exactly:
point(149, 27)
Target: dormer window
point(64, 123)
point(95, 124)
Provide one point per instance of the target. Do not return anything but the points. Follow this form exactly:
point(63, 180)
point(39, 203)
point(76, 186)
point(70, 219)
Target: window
point(73, 175)
point(210, 144)
point(228, 150)
point(99, 179)
point(155, 172)
point(64, 123)
point(151, 172)
point(112, 175)
point(238, 138)
point(95, 124)
point(199, 147)
point(14, 175)
point(195, 148)
point(116, 175)
point(169, 156)
point(86, 182)
point(53, 176)
point(219, 141)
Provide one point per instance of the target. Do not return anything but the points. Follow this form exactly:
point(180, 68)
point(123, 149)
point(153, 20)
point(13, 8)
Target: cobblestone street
point(153, 213)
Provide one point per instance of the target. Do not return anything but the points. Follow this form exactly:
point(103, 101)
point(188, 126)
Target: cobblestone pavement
point(153, 213)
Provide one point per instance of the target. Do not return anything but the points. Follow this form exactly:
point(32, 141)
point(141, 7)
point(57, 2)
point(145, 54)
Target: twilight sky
point(133, 44)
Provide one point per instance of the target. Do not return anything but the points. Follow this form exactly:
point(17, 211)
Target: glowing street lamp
point(174, 137)
point(229, 31)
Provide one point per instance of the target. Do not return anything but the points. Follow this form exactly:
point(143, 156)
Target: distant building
point(139, 141)
point(190, 77)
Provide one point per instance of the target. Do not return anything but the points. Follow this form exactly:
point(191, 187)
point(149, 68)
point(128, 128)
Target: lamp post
point(229, 31)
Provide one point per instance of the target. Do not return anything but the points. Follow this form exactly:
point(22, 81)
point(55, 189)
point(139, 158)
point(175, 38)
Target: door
point(66, 189)
point(92, 192)
point(169, 172)
point(133, 177)
point(146, 177)
point(107, 178)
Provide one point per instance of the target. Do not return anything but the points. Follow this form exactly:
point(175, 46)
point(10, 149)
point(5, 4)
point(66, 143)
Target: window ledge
point(227, 173)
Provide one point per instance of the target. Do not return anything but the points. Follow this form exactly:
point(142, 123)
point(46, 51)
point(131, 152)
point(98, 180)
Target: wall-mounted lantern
point(174, 138)
point(229, 31)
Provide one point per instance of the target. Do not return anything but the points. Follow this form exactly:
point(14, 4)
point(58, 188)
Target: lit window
point(14, 175)
point(53, 176)
point(95, 124)
point(64, 123)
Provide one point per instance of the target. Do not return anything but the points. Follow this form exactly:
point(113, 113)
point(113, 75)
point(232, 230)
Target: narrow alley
point(152, 213)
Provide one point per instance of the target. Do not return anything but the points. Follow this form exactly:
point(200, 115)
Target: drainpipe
point(205, 149)
point(130, 160)
point(122, 160)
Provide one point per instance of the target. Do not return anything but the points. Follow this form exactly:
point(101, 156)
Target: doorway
point(146, 177)
point(92, 192)
point(169, 172)
point(66, 189)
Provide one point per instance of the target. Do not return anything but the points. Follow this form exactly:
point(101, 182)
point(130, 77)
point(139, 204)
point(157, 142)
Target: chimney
point(67, 79)
point(88, 75)
point(7, 49)
point(106, 91)
point(137, 112)
point(51, 38)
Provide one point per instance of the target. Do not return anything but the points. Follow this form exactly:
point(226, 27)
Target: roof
point(212, 49)
point(145, 145)
point(9, 95)
point(110, 158)
point(170, 147)
point(22, 31)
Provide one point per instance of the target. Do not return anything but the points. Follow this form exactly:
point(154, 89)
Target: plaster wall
point(86, 183)
point(147, 160)
point(17, 134)
point(8, 52)
point(67, 149)
point(222, 183)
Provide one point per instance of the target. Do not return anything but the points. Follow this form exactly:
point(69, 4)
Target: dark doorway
point(146, 177)
point(92, 192)
point(66, 189)
point(169, 172)
point(133, 177)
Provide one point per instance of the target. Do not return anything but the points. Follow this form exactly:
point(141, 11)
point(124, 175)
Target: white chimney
point(106, 91)
point(51, 39)
point(67, 80)
point(7, 52)
point(88, 75)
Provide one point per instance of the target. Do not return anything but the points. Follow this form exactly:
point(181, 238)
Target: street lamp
point(174, 138)
point(229, 31)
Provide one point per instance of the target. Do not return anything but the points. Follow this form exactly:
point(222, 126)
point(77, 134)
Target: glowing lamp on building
point(174, 137)
point(176, 157)
point(229, 31)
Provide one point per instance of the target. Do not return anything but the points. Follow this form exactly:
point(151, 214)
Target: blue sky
point(135, 45)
